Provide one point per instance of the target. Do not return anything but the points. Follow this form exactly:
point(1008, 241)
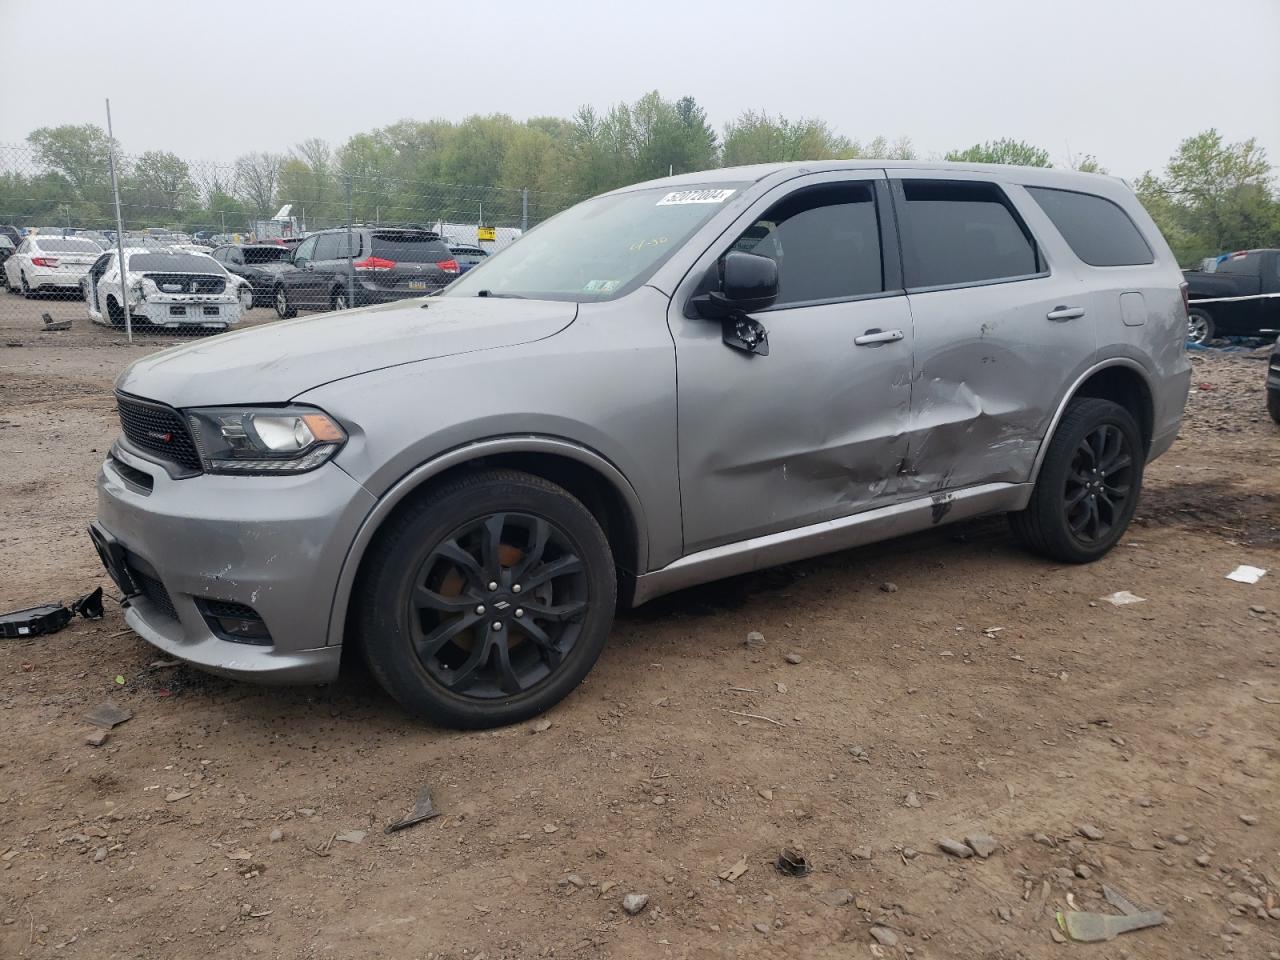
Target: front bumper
point(274, 544)
point(177, 311)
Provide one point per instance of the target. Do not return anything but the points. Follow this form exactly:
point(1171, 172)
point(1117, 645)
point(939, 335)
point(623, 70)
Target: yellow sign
point(486, 233)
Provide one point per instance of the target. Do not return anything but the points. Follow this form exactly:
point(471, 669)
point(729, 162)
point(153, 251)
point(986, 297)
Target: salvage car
point(461, 489)
point(164, 287)
point(49, 264)
point(1243, 293)
point(369, 264)
point(259, 264)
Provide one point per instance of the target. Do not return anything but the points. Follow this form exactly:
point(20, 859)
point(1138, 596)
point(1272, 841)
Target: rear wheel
point(284, 309)
point(487, 601)
point(1199, 325)
point(1088, 486)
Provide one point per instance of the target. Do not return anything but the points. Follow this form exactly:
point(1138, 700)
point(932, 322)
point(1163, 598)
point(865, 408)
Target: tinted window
point(68, 245)
point(1098, 231)
point(962, 232)
point(826, 241)
point(265, 254)
point(176, 262)
point(409, 247)
point(306, 249)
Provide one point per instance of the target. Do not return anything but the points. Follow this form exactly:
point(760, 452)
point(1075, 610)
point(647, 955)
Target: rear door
point(1002, 320)
point(409, 263)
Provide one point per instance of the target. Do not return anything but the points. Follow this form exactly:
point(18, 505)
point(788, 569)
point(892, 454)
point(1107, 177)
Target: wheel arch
point(590, 477)
point(1119, 379)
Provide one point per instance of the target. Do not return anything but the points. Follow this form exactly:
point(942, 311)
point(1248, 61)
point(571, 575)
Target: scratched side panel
point(815, 430)
point(989, 369)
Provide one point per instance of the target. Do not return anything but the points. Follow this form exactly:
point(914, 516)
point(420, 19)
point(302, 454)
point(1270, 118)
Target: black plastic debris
point(422, 811)
point(108, 714)
point(89, 606)
point(52, 324)
point(793, 864)
point(34, 621)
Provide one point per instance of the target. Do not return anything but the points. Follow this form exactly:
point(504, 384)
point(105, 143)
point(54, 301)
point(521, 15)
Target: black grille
point(188, 283)
point(155, 593)
point(229, 608)
point(157, 428)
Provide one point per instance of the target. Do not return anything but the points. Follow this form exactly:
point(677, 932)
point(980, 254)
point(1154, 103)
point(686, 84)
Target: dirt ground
point(990, 692)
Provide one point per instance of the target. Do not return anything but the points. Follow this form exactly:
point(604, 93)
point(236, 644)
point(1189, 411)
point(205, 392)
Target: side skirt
point(870, 526)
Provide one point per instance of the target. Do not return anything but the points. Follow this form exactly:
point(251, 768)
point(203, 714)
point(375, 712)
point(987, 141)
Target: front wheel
point(1088, 486)
point(1199, 326)
point(284, 309)
point(1273, 404)
point(27, 292)
point(339, 299)
point(487, 600)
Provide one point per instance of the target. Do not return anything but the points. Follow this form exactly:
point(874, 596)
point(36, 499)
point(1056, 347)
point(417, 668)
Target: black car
point(467, 255)
point(389, 263)
point(262, 264)
point(1241, 294)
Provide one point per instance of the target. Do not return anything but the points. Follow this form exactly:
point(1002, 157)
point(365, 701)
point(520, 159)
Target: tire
point(1051, 524)
point(115, 312)
point(27, 292)
point(464, 632)
point(245, 296)
point(1200, 328)
point(1273, 404)
point(284, 309)
point(338, 299)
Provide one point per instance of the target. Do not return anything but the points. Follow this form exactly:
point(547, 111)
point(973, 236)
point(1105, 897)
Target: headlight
point(264, 440)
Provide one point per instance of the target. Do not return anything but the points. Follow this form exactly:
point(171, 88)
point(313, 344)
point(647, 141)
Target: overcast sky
point(1122, 79)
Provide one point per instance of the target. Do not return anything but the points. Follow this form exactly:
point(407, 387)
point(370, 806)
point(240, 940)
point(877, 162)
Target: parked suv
point(462, 488)
point(387, 263)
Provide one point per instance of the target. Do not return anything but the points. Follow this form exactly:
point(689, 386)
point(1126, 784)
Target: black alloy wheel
point(1098, 484)
point(498, 605)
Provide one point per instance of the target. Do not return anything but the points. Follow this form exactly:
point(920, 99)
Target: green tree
point(80, 153)
point(159, 185)
point(1017, 152)
point(756, 137)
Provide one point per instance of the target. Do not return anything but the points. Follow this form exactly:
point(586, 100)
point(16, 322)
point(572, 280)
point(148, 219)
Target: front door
point(96, 272)
point(1003, 323)
point(816, 429)
point(300, 280)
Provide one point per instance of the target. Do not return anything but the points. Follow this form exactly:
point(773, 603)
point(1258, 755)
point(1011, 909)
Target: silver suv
point(670, 383)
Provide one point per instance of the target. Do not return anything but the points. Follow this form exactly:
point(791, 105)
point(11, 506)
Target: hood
point(276, 362)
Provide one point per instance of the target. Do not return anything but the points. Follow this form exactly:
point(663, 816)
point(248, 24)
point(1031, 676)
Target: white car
point(165, 288)
point(44, 264)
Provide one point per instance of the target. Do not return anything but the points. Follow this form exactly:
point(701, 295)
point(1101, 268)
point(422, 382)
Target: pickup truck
point(1245, 273)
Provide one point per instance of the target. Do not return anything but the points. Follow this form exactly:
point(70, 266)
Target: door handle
point(1059, 314)
point(875, 336)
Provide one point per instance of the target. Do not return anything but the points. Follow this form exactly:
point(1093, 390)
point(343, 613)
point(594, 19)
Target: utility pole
point(351, 270)
point(115, 190)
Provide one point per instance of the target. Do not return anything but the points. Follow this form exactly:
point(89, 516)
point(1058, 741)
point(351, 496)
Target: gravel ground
point(989, 693)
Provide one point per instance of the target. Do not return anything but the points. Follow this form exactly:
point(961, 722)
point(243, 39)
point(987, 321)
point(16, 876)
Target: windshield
point(176, 262)
point(598, 250)
point(254, 255)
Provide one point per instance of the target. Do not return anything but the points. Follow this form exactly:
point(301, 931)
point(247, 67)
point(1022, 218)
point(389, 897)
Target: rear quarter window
point(1097, 230)
point(409, 247)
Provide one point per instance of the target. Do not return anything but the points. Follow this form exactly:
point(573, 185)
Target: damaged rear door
point(815, 429)
point(1001, 322)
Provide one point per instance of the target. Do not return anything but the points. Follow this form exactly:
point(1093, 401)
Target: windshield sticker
point(695, 196)
point(601, 286)
point(652, 242)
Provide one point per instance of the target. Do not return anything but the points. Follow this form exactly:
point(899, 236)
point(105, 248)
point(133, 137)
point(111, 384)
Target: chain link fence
point(58, 235)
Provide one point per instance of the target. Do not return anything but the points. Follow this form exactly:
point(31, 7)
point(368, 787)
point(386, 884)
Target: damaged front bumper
point(179, 310)
point(209, 552)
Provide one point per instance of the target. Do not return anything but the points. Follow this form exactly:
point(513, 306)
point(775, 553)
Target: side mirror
point(741, 283)
point(745, 283)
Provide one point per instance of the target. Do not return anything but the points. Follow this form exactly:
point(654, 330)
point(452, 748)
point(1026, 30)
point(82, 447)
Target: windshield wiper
point(505, 296)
